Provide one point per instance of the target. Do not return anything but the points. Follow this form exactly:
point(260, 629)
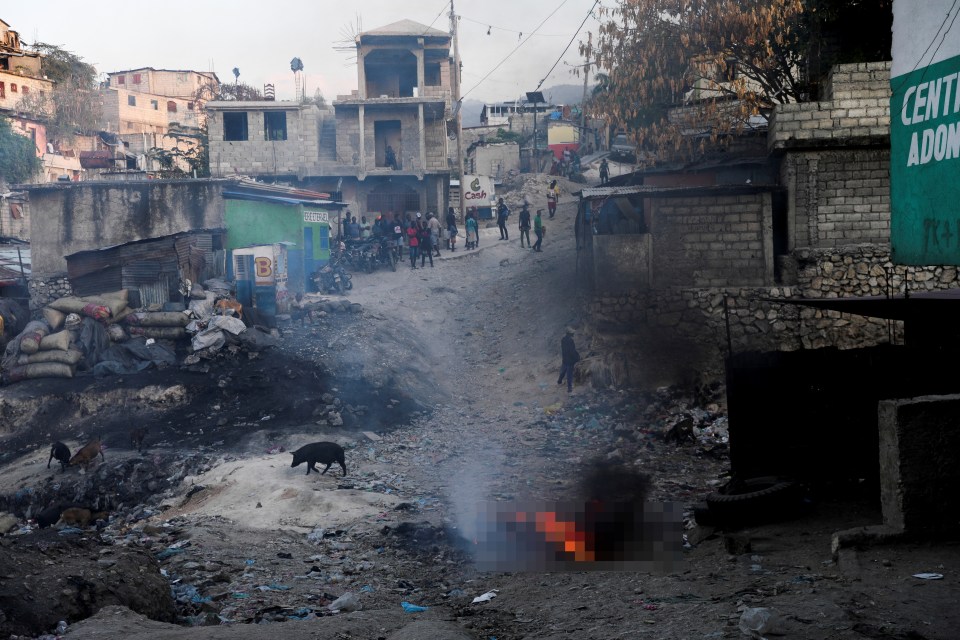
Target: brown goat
point(88, 453)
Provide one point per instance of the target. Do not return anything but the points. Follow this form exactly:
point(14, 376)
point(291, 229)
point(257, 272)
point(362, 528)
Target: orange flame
point(562, 532)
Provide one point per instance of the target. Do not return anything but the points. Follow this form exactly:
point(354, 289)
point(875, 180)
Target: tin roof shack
point(656, 237)
point(69, 218)
point(258, 214)
point(153, 268)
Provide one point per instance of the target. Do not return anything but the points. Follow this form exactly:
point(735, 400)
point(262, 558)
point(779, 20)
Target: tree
point(723, 61)
point(682, 74)
point(191, 149)
point(238, 91)
point(18, 156)
point(71, 107)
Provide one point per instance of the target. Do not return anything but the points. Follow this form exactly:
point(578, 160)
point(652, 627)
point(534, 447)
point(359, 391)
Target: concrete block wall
point(919, 444)
point(436, 146)
point(348, 136)
point(255, 156)
point(838, 196)
point(409, 152)
point(858, 108)
point(709, 241)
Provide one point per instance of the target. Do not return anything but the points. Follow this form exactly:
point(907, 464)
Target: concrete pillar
point(766, 229)
point(919, 475)
point(423, 140)
point(420, 70)
point(361, 73)
point(363, 151)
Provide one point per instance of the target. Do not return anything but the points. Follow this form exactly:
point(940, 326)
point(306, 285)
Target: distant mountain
point(568, 94)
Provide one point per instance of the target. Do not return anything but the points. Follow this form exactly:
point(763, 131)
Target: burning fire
point(562, 532)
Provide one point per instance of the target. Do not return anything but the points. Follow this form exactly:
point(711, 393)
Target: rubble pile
point(531, 188)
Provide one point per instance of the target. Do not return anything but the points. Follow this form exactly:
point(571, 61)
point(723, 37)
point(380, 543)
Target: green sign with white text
point(925, 165)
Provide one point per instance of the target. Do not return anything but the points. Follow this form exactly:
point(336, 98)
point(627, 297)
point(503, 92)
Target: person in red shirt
point(413, 242)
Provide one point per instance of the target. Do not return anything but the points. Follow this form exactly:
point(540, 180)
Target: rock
point(335, 419)
point(7, 523)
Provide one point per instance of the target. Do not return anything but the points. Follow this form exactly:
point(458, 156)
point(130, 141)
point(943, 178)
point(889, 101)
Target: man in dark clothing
point(451, 229)
point(604, 171)
point(502, 214)
point(525, 226)
point(570, 357)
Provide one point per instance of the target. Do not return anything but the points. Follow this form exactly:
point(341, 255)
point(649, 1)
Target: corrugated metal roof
point(650, 190)
point(265, 197)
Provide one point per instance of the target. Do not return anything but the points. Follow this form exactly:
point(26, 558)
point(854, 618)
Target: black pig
point(61, 453)
point(323, 452)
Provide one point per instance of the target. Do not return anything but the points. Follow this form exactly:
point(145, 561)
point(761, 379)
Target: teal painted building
point(301, 220)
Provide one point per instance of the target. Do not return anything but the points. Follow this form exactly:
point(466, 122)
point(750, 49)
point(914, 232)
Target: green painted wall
point(250, 223)
point(925, 165)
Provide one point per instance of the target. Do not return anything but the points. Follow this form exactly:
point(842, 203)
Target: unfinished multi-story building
point(383, 147)
point(141, 106)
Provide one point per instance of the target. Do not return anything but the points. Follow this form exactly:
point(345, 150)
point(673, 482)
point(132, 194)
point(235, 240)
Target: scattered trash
point(366, 589)
point(346, 602)
point(250, 562)
point(756, 621)
point(240, 595)
point(929, 576)
point(412, 608)
point(487, 597)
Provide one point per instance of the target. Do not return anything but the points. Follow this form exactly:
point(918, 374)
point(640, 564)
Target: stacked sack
point(50, 348)
point(160, 325)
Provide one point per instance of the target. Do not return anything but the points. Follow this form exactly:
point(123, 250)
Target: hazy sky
point(260, 38)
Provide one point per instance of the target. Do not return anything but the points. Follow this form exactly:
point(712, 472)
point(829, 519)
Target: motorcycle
point(332, 278)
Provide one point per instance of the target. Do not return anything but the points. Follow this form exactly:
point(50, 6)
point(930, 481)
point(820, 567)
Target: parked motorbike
point(332, 278)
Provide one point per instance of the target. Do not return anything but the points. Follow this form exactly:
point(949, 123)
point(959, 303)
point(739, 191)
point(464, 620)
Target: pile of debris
point(105, 334)
point(531, 188)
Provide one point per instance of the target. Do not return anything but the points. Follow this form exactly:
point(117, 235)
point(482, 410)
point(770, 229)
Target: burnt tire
point(756, 500)
point(754, 489)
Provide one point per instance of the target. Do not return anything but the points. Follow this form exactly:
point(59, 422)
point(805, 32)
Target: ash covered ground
point(446, 388)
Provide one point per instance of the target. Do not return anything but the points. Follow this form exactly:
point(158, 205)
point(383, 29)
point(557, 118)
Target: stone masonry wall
point(43, 291)
point(758, 321)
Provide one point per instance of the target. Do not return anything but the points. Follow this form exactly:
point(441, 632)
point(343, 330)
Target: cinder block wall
point(709, 241)
point(858, 107)
point(838, 196)
point(836, 158)
point(255, 156)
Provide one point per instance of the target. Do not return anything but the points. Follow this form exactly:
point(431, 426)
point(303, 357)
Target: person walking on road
point(471, 225)
point(451, 229)
point(604, 171)
point(434, 226)
point(525, 227)
point(538, 229)
point(569, 358)
point(413, 242)
point(503, 212)
point(553, 194)
point(426, 248)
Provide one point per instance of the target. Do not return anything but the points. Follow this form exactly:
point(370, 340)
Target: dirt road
point(474, 343)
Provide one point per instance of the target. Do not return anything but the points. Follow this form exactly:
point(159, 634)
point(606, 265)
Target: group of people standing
point(503, 213)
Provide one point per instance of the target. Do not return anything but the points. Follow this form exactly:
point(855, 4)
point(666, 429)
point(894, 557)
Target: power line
point(442, 9)
point(585, 18)
point(932, 40)
point(525, 40)
point(490, 26)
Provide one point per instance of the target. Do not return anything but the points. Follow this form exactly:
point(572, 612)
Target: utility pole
point(455, 90)
point(586, 78)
